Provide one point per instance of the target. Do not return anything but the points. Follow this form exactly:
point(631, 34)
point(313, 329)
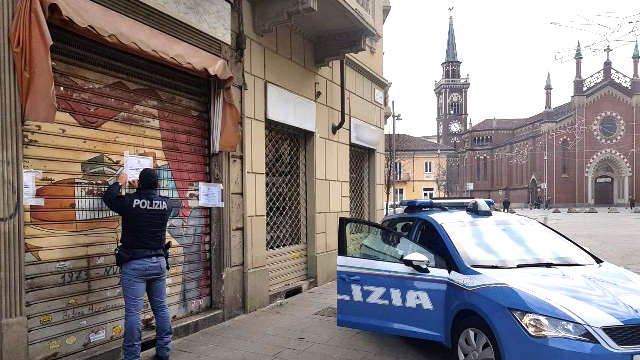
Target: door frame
point(612, 185)
point(380, 268)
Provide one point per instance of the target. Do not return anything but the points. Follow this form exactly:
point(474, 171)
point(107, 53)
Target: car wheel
point(473, 340)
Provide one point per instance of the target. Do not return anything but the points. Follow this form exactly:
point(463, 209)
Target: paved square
point(304, 328)
point(614, 237)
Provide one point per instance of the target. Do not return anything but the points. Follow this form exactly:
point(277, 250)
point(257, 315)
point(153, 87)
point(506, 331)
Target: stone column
point(626, 189)
point(590, 189)
point(13, 323)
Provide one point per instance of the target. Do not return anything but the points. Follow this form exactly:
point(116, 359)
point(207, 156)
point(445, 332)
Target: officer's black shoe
point(157, 357)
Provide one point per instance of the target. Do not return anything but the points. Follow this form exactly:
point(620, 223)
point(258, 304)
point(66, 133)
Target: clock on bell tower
point(451, 93)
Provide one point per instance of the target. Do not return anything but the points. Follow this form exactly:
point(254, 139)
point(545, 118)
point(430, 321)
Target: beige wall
point(413, 165)
point(285, 58)
point(373, 59)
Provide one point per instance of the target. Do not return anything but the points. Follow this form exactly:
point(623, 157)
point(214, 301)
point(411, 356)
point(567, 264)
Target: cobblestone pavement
point(304, 328)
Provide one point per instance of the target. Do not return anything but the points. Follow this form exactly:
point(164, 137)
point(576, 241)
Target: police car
point(489, 285)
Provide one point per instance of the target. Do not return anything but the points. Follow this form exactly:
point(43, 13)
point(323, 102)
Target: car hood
point(599, 295)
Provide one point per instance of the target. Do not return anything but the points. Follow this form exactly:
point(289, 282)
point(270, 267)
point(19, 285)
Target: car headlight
point(544, 326)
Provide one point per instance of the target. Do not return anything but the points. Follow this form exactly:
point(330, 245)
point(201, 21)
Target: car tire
point(473, 339)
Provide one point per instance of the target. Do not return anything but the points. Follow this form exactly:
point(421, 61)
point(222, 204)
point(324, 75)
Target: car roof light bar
point(479, 207)
point(451, 203)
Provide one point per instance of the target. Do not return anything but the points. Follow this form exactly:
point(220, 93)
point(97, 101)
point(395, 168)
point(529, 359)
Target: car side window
point(378, 243)
point(429, 238)
point(401, 225)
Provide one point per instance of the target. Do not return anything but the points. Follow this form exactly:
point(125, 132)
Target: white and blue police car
point(489, 285)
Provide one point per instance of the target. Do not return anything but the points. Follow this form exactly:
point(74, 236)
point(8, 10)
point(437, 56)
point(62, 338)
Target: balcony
point(336, 27)
point(463, 82)
point(405, 176)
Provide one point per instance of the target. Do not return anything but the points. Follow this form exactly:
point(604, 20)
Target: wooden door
point(603, 190)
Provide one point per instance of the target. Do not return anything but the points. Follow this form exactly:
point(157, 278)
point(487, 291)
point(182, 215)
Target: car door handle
point(348, 278)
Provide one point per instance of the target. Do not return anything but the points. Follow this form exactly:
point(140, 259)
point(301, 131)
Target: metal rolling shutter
point(110, 102)
point(359, 182)
point(286, 207)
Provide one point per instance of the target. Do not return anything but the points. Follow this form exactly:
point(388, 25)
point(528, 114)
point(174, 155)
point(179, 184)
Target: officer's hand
point(122, 178)
point(134, 183)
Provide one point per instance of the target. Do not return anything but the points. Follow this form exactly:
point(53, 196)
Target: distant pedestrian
point(632, 203)
point(507, 204)
point(504, 205)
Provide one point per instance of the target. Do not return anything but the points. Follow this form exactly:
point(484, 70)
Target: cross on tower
point(608, 50)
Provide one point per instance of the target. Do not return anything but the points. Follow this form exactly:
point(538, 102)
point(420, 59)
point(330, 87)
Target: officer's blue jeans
point(138, 276)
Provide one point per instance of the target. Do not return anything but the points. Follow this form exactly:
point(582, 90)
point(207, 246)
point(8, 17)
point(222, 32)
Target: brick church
point(580, 153)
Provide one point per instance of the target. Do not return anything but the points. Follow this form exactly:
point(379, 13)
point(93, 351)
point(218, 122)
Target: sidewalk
point(303, 328)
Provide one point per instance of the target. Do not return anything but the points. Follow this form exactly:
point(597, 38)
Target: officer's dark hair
point(148, 180)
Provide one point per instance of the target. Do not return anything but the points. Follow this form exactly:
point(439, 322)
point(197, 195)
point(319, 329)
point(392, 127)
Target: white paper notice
point(29, 187)
point(210, 195)
point(133, 165)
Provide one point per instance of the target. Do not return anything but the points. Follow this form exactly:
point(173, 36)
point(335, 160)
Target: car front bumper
point(525, 347)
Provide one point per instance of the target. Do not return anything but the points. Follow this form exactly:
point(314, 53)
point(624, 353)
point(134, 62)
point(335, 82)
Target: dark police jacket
point(144, 221)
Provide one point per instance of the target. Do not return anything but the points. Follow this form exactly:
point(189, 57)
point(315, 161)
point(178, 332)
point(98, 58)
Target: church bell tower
point(451, 95)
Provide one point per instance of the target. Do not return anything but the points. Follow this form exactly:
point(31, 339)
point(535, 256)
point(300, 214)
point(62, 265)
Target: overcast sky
point(506, 46)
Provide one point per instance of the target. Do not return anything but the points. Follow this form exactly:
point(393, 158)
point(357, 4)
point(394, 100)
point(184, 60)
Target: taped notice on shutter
point(210, 195)
point(133, 165)
point(29, 177)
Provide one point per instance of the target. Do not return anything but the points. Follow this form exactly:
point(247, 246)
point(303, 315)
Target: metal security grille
point(359, 182)
point(110, 103)
point(286, 206)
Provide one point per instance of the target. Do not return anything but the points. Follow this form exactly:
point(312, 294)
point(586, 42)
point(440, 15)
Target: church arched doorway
point(603, 190)
point(608, 174)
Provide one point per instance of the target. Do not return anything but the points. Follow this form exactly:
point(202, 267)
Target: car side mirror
point(417, 261)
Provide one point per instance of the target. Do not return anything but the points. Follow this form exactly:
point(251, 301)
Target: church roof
point(406, 142)
point(490, 124)
point(452, 54)
point(557, 113)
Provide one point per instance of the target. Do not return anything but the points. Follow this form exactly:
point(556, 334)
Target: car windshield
point(489, 242)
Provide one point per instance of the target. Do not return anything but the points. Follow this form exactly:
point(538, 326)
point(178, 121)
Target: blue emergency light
point(481, 207)
point(451, 203)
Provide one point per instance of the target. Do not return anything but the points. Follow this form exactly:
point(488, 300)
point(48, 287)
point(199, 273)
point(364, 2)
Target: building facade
point(246, 94)
point(419, 169)
point(580, 153)
point(312, 142)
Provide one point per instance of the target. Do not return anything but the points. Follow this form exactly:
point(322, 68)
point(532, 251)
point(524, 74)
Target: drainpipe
point(336, 127)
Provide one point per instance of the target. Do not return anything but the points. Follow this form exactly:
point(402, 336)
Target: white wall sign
point(364, 134)
point(210, 195)
point(291, 109)
point(29, 177)
point(469, 186)
point(378, 96)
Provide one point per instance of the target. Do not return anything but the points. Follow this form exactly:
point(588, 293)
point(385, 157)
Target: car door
point(377, 292)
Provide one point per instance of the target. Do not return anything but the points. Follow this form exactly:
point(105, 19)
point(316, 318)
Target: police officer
point(141, 256)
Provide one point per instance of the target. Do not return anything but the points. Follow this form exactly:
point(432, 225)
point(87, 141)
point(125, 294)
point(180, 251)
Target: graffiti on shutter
point(73, 293)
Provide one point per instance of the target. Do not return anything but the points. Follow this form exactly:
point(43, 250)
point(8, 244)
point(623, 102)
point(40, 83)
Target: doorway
point(603, 190)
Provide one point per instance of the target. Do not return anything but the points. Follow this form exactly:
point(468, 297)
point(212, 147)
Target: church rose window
point(608, 127)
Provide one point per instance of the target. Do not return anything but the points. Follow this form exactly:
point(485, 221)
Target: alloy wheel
point(473, 344)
